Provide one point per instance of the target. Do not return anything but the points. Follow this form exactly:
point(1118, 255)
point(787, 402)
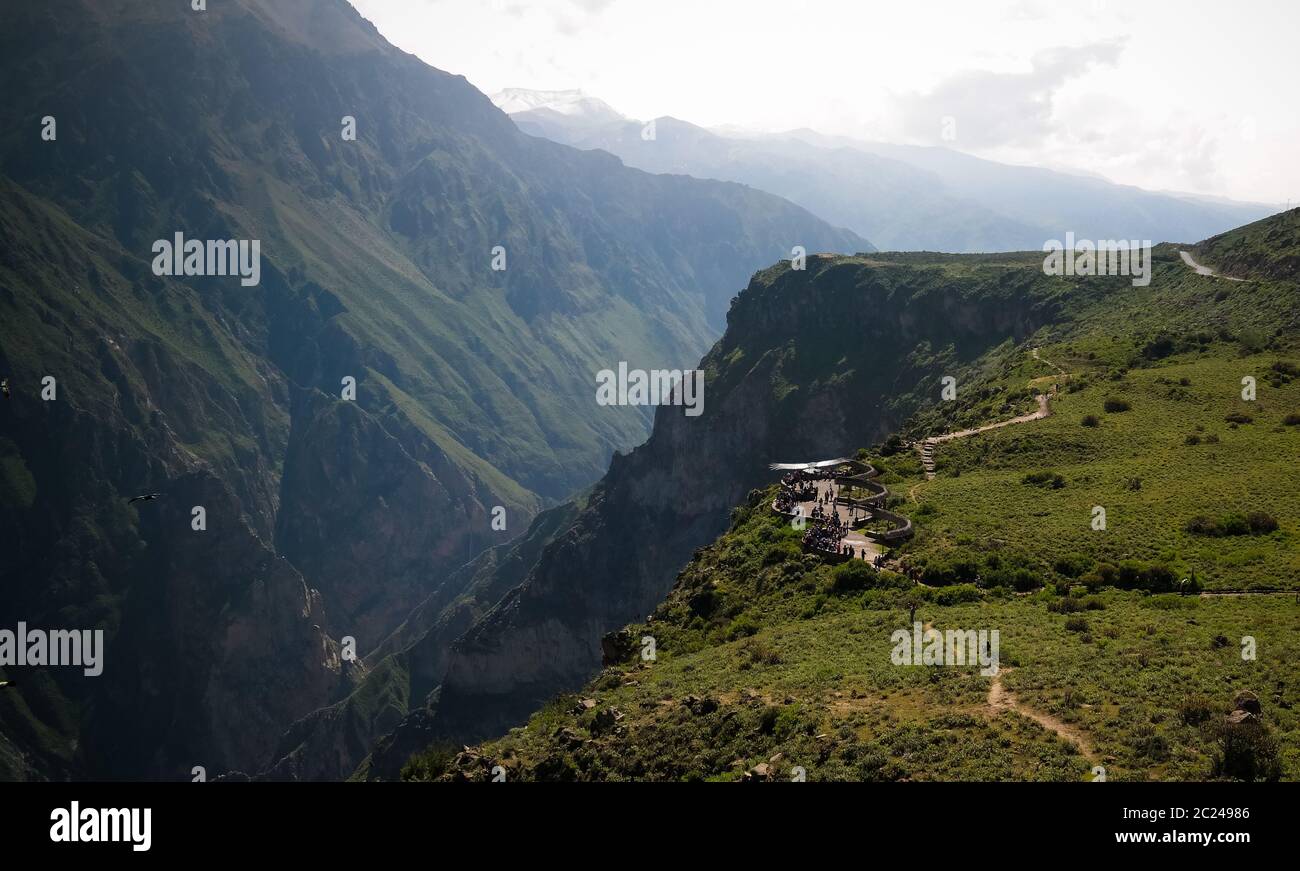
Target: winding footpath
point(927, 446)
point(1204, 270)
point(1002, 699)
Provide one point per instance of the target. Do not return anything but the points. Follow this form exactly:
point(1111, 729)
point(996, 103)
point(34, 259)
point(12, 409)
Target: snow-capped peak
point(572, 102)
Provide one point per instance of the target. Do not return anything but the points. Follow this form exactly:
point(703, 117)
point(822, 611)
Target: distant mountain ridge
point(902, 197)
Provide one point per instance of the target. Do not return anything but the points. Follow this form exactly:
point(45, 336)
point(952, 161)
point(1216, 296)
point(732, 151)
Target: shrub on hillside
point(1115, 405)
point(1247, 751)
point(1152, 745)
point(852, 576)
point(1194, 710)
point(1046, 479)
point(1261, 522)
point(1065, 605)
point(1091, 420)
point(1254, 523)
point(1022, 580)
point(943, 573)
point(742, 627)
point(1253, 339)
point(430, 763)
point(786, 551)
point(1238, 417)
point(892, 445)
point(1292, 419)
point(1152, 577)
point(1282, 367)
point(957, 594)
point(1160, 347)
point(1072, 565)
point(703, 603)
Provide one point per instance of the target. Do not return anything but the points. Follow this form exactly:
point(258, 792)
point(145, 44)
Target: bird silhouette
point(147, 497)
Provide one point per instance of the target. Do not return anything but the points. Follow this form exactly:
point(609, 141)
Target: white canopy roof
point(820, 464)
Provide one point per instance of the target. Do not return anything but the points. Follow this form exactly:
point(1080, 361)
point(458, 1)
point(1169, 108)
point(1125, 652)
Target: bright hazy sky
point(1188, 95)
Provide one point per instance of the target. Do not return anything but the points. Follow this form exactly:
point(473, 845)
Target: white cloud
point(991, 109)
point(1152, 94)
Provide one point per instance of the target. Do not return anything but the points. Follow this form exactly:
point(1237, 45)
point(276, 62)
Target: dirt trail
point(1049, 363)
point(1213, 594)
point(1044, 410)
point(927, 445)
point(1204, 270)
point(1002, 699)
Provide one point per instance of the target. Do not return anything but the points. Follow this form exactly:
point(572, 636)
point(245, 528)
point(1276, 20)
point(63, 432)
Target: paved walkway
point(854, 539)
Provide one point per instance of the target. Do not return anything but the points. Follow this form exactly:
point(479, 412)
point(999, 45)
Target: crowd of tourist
point(826, 529)
point(825, 533)
point(796, 487)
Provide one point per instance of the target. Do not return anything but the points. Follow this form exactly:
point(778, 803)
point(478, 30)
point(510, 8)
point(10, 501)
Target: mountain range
point(902, 197)
point(369, 509)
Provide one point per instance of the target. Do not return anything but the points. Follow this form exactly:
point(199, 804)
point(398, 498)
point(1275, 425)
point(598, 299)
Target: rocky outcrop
point(389, 714)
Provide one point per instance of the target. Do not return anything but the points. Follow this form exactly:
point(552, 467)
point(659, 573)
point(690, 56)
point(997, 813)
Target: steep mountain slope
point(905, 198)
point(1268, 249)
point(474, 387)
point(771, 663)
point(791, 379)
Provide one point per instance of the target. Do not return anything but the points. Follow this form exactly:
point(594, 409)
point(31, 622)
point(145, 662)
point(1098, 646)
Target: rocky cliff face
point(408, 511)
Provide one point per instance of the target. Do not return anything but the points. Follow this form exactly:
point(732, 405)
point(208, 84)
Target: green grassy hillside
point(1265, 249)
point(767, 659)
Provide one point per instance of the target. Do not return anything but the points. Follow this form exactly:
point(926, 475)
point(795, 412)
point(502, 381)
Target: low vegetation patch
point(1254, 523)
